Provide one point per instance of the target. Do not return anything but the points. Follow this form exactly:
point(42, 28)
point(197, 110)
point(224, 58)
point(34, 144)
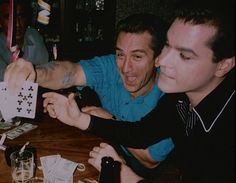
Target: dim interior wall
point(163, 8)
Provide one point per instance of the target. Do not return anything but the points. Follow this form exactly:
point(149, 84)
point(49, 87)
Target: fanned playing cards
point(20, 104)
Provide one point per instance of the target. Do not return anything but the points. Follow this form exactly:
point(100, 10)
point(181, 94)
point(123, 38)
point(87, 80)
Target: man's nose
point(127, 65)
point(165, 57)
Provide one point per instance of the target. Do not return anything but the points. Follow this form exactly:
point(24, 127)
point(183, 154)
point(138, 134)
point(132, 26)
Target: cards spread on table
point(57, 169)
point(21, 104)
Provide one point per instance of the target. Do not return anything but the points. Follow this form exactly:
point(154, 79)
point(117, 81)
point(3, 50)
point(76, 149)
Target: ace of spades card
point(21, 104)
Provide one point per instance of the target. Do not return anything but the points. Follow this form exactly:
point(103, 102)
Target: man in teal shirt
point(125, 82)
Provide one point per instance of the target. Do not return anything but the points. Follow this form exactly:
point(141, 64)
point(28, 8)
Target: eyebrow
point(133, 51)
point(182, 49)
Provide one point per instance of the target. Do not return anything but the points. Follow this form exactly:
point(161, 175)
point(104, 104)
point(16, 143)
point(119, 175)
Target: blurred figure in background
point(28, 39)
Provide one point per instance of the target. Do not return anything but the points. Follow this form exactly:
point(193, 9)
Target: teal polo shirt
point(103, 76)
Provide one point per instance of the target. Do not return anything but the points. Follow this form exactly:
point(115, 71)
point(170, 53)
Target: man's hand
point(65, 109)
point(18, 72)
point(97, 111)
point(126, 174)
point(99, 152)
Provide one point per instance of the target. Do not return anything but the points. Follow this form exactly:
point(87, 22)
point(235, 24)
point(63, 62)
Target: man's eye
point(137, 57)
point(119, 54)
point(184, 57)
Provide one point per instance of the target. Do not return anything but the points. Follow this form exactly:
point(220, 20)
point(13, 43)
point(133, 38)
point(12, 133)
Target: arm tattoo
point(47, 66)
point(68, 79)
point(68, 76)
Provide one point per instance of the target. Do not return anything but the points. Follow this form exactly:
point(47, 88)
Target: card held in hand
point(7, 102)
point(26, 100)
point(21, 104)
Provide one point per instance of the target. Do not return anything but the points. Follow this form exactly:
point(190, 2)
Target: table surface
point(52, 137)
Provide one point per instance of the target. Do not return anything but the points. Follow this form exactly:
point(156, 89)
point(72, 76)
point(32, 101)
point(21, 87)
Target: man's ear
point(157, 62)
point(225, 66)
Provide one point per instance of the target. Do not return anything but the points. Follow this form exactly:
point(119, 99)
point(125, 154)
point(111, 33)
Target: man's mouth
point(130, 80)
point(163, 74)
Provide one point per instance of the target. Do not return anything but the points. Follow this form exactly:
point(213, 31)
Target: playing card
point(7, 102)
point(26, 100)
point(21, 104)
point(3, 89)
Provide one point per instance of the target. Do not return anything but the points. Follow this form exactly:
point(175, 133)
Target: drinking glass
point(22, 166)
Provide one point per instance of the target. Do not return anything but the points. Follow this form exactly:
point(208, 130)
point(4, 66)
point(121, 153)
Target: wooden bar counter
point(52, 137)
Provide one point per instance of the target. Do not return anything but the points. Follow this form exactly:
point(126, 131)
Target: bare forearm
point(83, 122)
point(127, 175)
point(57, 75)
point(144, 157)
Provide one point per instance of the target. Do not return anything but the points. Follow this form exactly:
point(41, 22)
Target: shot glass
point(22, 166)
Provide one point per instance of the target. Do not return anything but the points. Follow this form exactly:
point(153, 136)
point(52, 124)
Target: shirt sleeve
point(99, 70)
point(160, 151)
point(155, 126)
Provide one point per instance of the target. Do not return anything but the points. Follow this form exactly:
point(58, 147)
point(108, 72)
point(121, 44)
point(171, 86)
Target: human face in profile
point(186, 61)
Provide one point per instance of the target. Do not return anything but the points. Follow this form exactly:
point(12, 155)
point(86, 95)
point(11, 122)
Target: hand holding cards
point(21, 103)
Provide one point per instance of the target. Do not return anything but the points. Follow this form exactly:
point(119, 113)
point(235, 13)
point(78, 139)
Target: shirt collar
point(218, 98)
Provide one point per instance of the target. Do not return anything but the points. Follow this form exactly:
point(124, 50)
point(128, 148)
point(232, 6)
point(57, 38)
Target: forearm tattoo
point(47, 66)
point(68, 79)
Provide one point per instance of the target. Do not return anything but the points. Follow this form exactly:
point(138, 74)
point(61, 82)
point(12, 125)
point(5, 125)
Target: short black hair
point(142, 22)
point(219, 14)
